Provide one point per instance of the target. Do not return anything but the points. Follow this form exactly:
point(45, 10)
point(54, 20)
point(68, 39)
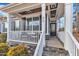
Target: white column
point(8, 29)
point(68, 22)
point(43, 20)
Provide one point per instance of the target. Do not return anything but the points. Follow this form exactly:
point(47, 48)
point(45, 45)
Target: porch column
point(9, 25)
point(68, 22)
point(43, 20)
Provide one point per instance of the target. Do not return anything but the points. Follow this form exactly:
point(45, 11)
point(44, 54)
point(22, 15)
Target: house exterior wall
point(0, 27)
point(61, 36)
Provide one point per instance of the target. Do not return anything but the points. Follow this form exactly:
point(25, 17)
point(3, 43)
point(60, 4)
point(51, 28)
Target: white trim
point(43, 20)
point(32, 15)
point(68, 23)
point(40, 46)
point(74, 39)
point(26, 31)
point(25, 8)
point(8, 29)
point(73, 45)
point(22, 41)
point(7, 7)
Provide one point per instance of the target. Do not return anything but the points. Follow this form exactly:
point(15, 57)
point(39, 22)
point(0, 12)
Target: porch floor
point(54, 42)
point(54, 48)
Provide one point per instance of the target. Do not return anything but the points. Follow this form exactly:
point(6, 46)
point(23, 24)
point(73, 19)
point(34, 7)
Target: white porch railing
point(40, 46)
point(73, 45)
point(24, 36)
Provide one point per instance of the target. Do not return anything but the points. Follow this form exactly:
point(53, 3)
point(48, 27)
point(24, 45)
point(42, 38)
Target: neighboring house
point(35, 23)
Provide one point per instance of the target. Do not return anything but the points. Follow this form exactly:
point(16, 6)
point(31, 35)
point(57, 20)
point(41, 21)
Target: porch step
point(53, 51)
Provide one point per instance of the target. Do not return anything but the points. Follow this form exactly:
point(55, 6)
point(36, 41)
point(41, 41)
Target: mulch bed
point(31, 48)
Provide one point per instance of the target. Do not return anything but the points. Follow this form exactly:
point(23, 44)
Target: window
point(29, 24)
point(32, 24)
point(61, 24)
point(36, 23)
point(75, 11)
point(5, 26)
point(16, 26)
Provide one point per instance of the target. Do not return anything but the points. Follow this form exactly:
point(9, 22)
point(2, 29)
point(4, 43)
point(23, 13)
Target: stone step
point(53, 51)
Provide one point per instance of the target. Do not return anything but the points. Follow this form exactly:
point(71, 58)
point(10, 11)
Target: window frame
point(15, 23)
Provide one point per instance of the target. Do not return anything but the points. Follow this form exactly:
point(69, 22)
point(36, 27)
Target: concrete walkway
point(54, 42)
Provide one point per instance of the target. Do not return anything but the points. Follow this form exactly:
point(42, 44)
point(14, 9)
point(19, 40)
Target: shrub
point(3, 37)
point(19, 50)
point(3, 48)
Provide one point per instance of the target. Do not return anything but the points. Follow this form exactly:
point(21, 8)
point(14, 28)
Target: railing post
point(43, 20)
point(75, 50)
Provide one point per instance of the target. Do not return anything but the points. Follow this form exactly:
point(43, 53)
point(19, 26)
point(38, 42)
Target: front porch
point(39, 25)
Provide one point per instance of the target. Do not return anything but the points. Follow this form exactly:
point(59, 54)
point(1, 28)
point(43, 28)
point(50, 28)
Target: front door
point(53, 29)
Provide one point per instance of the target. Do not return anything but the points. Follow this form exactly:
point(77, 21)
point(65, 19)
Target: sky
point(2, 5)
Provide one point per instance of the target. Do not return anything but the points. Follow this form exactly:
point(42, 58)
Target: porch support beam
point(68, 22)
point(9, 25)
point(43, 19)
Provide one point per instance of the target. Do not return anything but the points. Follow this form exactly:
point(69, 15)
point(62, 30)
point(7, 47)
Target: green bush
point(3, 37)
point(19, 50)
point(3, 48)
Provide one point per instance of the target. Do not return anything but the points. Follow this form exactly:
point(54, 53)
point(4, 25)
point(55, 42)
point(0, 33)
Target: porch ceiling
point(17, 8)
